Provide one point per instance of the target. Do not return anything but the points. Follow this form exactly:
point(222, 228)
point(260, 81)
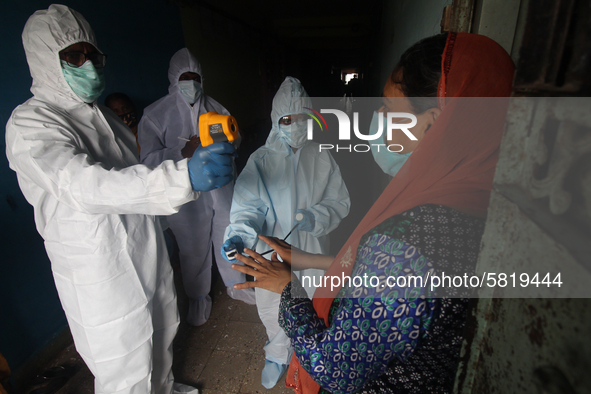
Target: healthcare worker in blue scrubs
point(286, 181)
point(77, 165)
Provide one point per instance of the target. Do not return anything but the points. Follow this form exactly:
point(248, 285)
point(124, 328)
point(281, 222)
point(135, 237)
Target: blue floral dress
point(391, 335)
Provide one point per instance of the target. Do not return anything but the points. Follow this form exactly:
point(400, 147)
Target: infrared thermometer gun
point(214, 127)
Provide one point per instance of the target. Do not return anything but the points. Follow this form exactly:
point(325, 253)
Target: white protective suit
point(202, 222)
point(76, 164)
point(273, 185)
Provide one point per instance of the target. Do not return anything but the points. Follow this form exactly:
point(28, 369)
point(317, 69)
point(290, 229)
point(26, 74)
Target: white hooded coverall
point(273, 185)
point(201, 222)
point(77, 166)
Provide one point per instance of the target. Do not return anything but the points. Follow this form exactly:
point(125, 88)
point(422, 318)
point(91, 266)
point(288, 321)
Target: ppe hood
point(290, 99)
point(181, 62)
point(46, 33)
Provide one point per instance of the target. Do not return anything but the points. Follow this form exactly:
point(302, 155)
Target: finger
point(246, 260)
point(222, 164)
point(212, 168)
point(245, 269)
point(245, 285)
point(277, 244)
point(222, 160)
point(221, 148)
point(271, 241)
point(223, 181)
point(283, 244)
point(257, 257)
point(225, 170)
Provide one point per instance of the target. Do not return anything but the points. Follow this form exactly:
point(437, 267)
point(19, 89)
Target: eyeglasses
point(185, 77)
point(289, 119)
point(285, 120)
point(76, 59)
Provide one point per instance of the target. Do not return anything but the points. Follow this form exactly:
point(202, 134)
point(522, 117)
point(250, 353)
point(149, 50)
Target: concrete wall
point(497, 19)
point(230, 55)
point(404, 22)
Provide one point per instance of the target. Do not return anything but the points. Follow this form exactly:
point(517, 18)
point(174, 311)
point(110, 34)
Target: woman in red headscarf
point(393, 336)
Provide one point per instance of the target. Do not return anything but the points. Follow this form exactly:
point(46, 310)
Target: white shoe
point(246, 295)
point(199, 311)
point(179, 388)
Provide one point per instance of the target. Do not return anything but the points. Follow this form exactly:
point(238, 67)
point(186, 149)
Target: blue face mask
point(86, 81)
point(191, 91)
point(389, 162)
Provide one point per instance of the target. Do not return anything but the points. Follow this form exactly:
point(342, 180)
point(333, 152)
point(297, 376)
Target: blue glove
point(305, 223)
point(211, 166)
point(231, 247)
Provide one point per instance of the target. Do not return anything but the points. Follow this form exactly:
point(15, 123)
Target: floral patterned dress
point(390, 335)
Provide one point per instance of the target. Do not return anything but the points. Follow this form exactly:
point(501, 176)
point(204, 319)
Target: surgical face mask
point(295, 134)
point(86, 81)
point(191, 90)
point(389, 162)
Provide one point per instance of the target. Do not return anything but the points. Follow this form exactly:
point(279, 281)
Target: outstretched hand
point(297, 258)
point(280, 247)
point(272, 275)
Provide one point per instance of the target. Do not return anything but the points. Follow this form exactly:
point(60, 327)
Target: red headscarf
point(453, 165)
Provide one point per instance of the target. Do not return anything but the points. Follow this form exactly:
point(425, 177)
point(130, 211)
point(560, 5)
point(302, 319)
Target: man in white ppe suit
point(163, 132)
point(286, 177)
point(76, 163)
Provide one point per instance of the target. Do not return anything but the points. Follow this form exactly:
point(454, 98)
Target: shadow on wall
point(230, 54)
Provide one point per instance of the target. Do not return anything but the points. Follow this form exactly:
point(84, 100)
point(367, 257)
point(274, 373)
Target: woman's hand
point(297, 258)
point(271, 275)
point(281, 248)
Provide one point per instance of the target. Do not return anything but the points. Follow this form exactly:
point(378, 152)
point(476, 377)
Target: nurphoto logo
point(402, 124)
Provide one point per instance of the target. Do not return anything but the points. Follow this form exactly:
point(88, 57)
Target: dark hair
point(117, 96)
point(419, 70)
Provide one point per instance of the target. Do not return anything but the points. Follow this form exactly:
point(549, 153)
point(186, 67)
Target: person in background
point(354, 86)
point(391, 337)
point(4, 374)
point(169, 130)
point(124, 108)
point(286, 180)
point(77, 165)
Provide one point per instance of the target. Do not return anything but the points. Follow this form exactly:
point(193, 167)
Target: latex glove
point(307, 222)
point(211, 167)
point(231, 247)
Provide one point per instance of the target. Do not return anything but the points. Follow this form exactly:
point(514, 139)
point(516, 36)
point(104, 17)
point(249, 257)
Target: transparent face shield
point(293, 129)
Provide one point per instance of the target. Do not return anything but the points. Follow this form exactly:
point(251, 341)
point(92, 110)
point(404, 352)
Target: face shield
point(293, 129)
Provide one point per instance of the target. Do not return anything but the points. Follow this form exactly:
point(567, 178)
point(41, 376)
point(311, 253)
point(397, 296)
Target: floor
point(223, 356)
